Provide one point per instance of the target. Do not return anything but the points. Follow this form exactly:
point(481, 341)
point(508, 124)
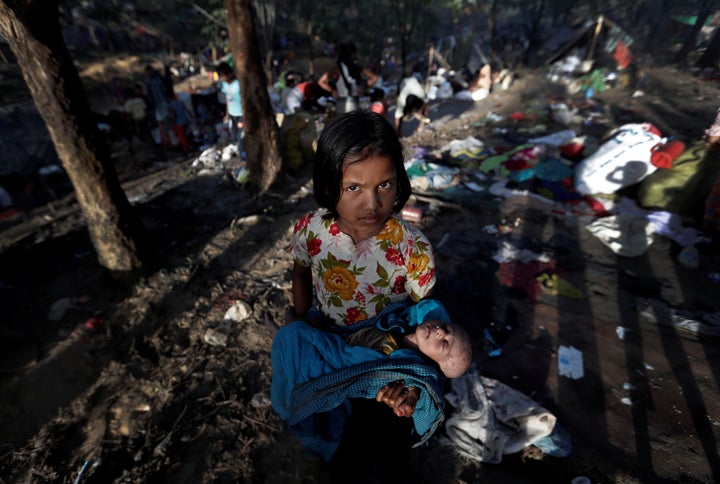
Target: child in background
point(180, 119)
point(230, 87)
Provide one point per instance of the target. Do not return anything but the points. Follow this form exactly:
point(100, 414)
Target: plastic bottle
point(411, 214)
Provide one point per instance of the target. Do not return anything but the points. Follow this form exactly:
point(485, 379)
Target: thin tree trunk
point(261, 139)
point(691, 41)
point(33, 31)
point(710, 57)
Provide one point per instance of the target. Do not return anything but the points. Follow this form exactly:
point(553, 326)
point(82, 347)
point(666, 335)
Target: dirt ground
point(102, 382)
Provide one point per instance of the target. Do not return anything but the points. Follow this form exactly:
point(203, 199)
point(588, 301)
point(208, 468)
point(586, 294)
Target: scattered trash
point(570, 362)
point(82, 471)
point(620, 331)
point(557, 286)
point(494, 348)
point(411, 214)
point(689, 324)
point(491, 229)
point(664, 155)
point(214, 337)
point(581, 480)
point(260, 400)
point(238, 311)
point(94, 323)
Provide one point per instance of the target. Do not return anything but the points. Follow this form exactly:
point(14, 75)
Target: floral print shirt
point(354, 282)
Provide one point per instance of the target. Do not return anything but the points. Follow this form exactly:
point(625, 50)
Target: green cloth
point(680, 188)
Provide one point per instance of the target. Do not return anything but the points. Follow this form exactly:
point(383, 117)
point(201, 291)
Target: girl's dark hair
point(224, 69)
point(353, 137)
point(413, 104)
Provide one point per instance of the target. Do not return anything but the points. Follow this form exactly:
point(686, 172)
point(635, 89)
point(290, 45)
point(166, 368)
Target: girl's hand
point(400, 399)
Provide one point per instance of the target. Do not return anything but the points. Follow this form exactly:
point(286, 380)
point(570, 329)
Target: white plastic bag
point(621, 161)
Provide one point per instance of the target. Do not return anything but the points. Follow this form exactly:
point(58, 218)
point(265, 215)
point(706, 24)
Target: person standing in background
point(230, 87)
point(347, 80)
point(158, 99)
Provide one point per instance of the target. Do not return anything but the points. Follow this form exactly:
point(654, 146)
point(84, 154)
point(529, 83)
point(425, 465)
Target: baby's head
point(446, 344)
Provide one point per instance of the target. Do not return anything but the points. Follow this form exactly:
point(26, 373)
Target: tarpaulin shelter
point(598, 38)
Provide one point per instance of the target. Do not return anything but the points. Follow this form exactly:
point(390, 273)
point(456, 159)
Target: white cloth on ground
point(491, 419)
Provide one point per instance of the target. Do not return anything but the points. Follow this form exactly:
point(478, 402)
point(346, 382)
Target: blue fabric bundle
point(319, 409)
point(315, 373)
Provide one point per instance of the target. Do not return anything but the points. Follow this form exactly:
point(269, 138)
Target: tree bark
point(691, 40)
point(261, 138)
point(710, 57)
point(33, 32)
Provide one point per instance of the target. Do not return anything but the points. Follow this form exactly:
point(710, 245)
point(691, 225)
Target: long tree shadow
point(181, 222)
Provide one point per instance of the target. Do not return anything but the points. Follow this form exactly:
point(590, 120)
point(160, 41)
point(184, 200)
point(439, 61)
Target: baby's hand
point(402, 400)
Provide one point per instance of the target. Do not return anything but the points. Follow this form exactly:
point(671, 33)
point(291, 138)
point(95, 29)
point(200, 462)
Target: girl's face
point(367, 196)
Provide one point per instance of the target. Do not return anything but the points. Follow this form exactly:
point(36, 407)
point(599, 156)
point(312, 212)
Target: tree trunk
point(261, 138)
point(710, 57)
point(691, 41)
point(33, 31)
point(492, 28)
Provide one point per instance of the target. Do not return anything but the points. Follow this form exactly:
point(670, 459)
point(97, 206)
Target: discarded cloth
point(491, 419)
point(555, 139)
point(463, 146)
point(664, 223)
point(523, 276)
point(625, 234)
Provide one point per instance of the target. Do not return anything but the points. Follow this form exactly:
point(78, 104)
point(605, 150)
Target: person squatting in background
point(411, 101)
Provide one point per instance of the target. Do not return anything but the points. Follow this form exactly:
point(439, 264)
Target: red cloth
point(378, 107)
point(664, 155)
point(523, 276)
point(622, 55)
point(572, 151)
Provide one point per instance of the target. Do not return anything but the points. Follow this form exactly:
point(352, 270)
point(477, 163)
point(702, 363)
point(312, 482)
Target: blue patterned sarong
point(315, 373)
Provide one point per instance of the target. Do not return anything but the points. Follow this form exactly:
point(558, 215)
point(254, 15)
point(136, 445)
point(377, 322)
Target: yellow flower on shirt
point(340, 280)
point(392, 231)
point(418, 263)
